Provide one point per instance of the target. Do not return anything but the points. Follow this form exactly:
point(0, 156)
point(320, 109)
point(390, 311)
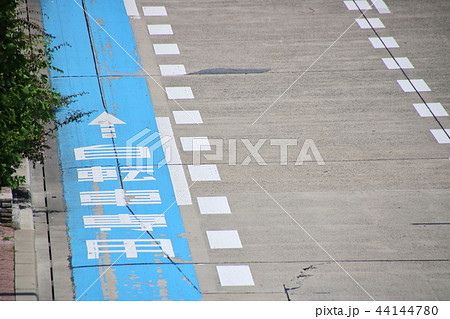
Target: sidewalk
point(18, 280)
point(6, 264)
point(17, 252)
point(25, 281)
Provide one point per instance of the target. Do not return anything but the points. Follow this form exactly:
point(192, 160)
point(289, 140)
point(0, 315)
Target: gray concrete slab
point(25, 265)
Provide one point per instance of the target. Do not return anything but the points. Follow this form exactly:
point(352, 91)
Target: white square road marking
point(213, 205)
point(198, 143)
point(160, 29)
point(440, 136)
point(239, 275)
point(392, 64)
point(166, 49)
point(223, 239)
point(380, 6)
point(388, 41)
point(187, 117)
point(179, 93)
point(206, 172)
point(436, 108)
point(370, 23)
point(363, 5)
point(172, 69)
point(414, 85)
point(157, 11)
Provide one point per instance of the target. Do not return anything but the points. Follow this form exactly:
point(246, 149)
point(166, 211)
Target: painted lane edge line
point(180, 185)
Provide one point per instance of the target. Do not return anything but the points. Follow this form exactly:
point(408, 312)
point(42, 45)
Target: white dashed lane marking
point(353, 5)
point(238, 275)
point(441, 136)
point(203, 173)
point(418, 85)
point(179, 93)
point(397, 63)
point(436, 109)
point(370, 23)
point(187, 117)
point(156, 11)
point(381, 6)
point(166, 49)
point(172, 69)
point(199, 143)
point(213, 205)
point(160, 29)
point(389, 42)
point(223, 239)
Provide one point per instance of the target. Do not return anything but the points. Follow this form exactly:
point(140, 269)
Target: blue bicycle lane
point(126, 234)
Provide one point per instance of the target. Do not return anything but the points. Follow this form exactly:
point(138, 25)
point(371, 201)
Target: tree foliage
point(28, 104)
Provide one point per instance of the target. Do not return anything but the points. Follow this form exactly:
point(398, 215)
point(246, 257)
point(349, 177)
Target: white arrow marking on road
point(107, 122)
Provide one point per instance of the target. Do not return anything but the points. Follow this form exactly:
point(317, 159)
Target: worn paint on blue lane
point(64, 20)
point(114, 43)
point(111, 262)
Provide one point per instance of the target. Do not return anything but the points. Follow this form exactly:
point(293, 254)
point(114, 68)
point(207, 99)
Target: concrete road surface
point(372, 223)
point(324, 160)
